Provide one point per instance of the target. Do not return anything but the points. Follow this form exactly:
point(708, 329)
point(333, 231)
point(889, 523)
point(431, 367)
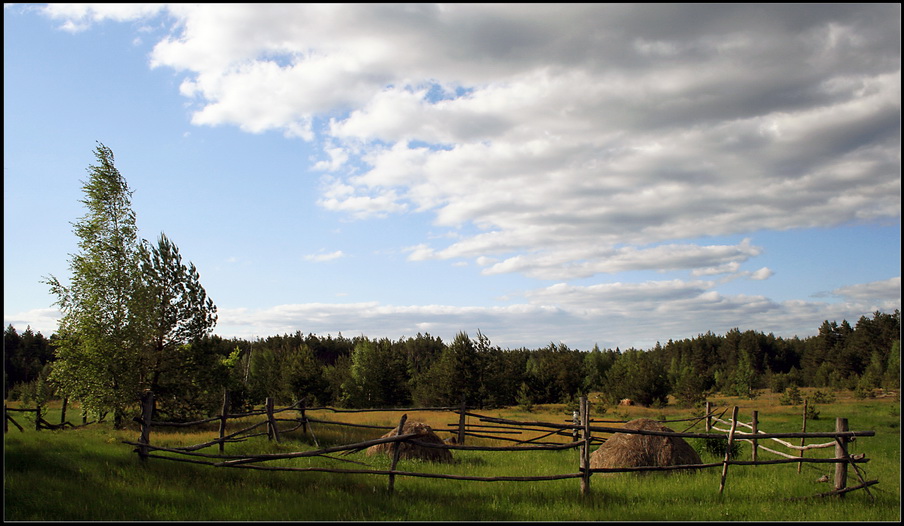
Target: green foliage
point(24, 357)
point(130, 309)
point(812, 412)
point(744, 380)
point(823, 397)
point(525, 399)
point(791, 396)
point(639, 376)
point(102, 333)
point(716, 447)
point(377, 376)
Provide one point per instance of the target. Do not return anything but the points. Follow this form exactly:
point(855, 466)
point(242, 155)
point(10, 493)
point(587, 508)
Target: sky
point(585, 174)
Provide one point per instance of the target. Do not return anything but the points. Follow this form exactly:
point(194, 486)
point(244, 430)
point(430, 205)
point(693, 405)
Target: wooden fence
point(581, 432)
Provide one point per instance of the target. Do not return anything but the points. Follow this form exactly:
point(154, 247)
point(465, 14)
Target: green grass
point(89, 474)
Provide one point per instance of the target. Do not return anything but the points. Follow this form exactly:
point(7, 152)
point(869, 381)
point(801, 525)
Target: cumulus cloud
point(553, 128)
point(887, 292)
point(566, 142)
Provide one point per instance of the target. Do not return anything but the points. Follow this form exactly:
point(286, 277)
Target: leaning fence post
point(731, 432)
point(272, 431)
point(147, 412)
point(753, 425)
point(841, 424)
point(803, 429)
point(396, 451)
point(585, 447)
point(709, 417)
point(223, 417)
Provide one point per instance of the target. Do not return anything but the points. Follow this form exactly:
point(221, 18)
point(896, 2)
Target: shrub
point(821, 397)
point(791, 396)
point(715, 446)
point(812, 412)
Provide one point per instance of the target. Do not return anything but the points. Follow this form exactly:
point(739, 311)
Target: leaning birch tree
point(102, 329)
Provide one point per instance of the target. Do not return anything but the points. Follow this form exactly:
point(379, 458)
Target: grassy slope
point(88, 474)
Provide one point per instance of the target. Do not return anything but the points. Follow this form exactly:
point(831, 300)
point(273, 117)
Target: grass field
point(89, 474)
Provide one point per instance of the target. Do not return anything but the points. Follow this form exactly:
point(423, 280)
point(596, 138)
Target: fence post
point(841, 424)
point(304, 419)
point(585, 448)
point(147, 412)
point(63, 411)
point(396, 451)
point(576, 421)
point(461, 421)
point(709, 418)
point(803, 429)
point(223, 417)
point(753, 425)
point(734, 425)
point(272, 431)
point(38, 417)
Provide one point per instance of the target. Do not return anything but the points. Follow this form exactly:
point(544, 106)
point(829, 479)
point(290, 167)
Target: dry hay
point(624, 450)
point(408, 450)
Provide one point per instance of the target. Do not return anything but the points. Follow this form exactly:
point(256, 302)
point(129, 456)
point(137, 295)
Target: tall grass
point(89, 474)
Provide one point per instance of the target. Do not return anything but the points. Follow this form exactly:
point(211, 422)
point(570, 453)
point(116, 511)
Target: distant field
point(89, 474)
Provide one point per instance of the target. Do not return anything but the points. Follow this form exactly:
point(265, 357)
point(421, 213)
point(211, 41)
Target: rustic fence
point(581, 431)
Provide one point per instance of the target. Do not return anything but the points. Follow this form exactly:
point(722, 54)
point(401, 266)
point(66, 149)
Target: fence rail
point(494, 428)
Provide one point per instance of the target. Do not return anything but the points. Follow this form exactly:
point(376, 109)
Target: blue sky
point(587, 174)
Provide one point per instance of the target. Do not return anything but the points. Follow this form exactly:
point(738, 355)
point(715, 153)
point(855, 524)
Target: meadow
point(88, 473)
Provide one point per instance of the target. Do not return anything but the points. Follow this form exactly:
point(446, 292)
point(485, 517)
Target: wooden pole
point(753, 425)
point(272, 431)
point(709, 417)
point(223, 418)
point(147, 412)
point(396, 451)
point(734, 425)
point(63, 411)
point(841, 424)
point(461, 422)
point(38, 417)
point(585, 447)
point(304, 419)
point(803, 429)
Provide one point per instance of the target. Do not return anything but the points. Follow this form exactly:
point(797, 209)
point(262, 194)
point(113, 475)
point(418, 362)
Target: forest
point(425, 371)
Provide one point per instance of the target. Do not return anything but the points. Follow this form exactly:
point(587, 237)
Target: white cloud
point(558, 128)
point(761, 274)
point(886, 292)
point(614, 314)
point(321, 257)
point(40, 320)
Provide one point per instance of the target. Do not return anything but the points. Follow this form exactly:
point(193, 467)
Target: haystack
point(623, 450)
point(413, 451)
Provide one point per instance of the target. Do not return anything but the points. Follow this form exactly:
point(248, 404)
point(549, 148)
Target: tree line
point(135, 317)
point(423, 370)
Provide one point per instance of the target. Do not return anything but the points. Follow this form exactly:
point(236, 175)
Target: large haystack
point(624, 450)
point(413, 451)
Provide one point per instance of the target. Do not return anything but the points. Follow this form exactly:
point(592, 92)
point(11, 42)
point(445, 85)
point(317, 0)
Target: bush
point(715, 446)
point(864, 392)
point(821, 397)
point(791, 396)
point(812, 412)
